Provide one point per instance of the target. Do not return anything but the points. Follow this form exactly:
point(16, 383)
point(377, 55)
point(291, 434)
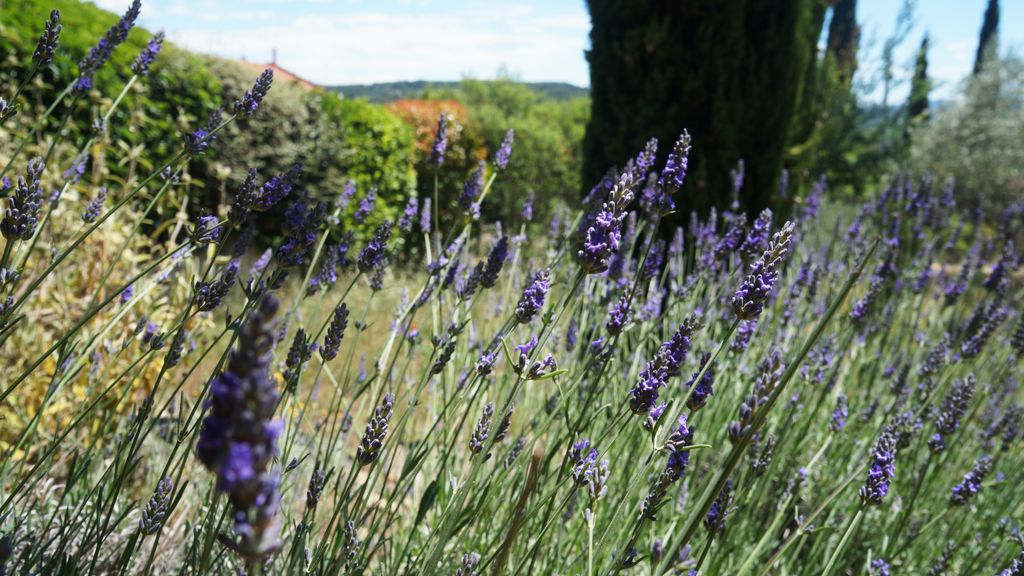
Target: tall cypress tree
point(920, 86)
point(987, 38)
point(843, 37)
point(729, 71)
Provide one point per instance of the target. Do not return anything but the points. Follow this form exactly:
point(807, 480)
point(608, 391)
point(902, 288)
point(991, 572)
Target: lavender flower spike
point(533, 297)
point(675, 167)
point(882, 471)
point(209, 295)
point(95, 207)
point(748, 302)
point(504, 152)
point(376, 431)
point(157, 509)
point(100, 53)
point(250, 103)
point(602, 238)
point(148, 55)
point(238, 441)
point(335, 332)
point(440, 141)
point(48, 42)
point(23, 206)
point(375, 251)
point(966, 490)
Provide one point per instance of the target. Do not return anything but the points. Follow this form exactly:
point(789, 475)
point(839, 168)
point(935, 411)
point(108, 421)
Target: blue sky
point(363, 41)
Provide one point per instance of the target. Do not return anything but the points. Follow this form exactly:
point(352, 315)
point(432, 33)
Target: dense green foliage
point(730, 72)
point(978, 139)
point(546, 157)
point(383, 92)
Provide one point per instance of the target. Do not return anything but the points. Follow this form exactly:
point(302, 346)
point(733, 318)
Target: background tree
point(843, 39)
point(920, 86)
point(731, 72)
point(987, 40)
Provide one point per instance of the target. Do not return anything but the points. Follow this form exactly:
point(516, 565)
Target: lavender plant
point(517, 397)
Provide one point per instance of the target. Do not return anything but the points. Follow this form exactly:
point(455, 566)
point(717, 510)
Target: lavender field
point(332, 378)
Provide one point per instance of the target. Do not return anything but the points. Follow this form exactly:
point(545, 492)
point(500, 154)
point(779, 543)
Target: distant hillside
point(391, 91)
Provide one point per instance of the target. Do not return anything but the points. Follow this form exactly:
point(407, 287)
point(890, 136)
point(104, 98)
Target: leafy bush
point(977, 139)
point(547, 157)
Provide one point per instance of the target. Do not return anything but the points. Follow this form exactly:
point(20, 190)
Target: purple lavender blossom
point(665, 364)
point(158, 507)
point(145, 59)
point(48, 41)
point(582, 461)
point(953, 290)
point(965, 491)
point(533, 297)
point(23, 206)
point(425, 216)
point(644, 161)
point(335, 333)
point(495, 261)
point(94, 207)
point(206, 230)
point(74, 173)
point(655, 260)
point(486, 363)
point(412, 208)
point(812, 203)
point(675, 467)
point(744, 332)
point(482, 430)
point(348, 191)
point(703, 388)
point(879, 567)
point(375, 250)
point(365, 206)
point(526, 212)
point(951, 412)
point(602, 237)
point(440, 141)
point(504, 152)
point(209, 295)
point(882, 471)
point(618, 315)
point(127, 294)
point(715, 520)
point(471, 190)
point(839, 414)
point(757, 238)
point(376, 431)
point(999, 277)
point(675, 167)
point(252, 99)
point(572, 332)
point(748, 302)
point(469, 563)
point(238, 440)
point(100, 53)
point(301, 226)
point(200, 140)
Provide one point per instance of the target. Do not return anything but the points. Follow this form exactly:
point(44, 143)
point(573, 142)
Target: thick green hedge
point(335, 139)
